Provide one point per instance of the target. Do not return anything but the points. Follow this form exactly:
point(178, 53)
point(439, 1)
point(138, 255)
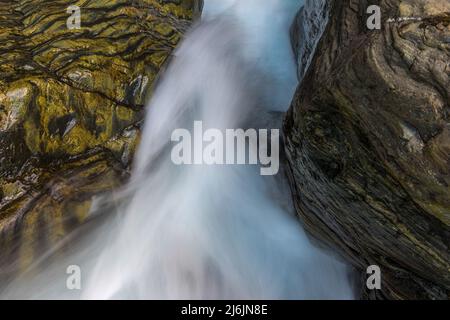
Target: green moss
point(65, 94)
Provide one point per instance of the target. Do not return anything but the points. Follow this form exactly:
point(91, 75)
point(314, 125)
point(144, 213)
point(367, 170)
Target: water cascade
point(205, 231)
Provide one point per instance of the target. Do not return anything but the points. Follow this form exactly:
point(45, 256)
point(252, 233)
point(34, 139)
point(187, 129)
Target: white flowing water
point(206, 232)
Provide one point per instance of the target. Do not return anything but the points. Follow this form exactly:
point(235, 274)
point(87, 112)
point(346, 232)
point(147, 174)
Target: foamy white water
point(206, 232)
point(264, 27)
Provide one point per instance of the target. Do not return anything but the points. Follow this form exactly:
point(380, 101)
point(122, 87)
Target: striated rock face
point(307, 30)
point(71, 101)
point(368, 140)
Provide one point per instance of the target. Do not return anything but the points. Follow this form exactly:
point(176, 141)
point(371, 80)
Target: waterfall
point(199, 231)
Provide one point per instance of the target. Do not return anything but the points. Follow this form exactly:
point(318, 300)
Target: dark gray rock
point(368, 141)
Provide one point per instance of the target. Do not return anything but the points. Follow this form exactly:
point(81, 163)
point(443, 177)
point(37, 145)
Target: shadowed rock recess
point(71, 102)
point(368, 139)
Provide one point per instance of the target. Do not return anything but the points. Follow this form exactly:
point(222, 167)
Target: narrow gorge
point(87, 123)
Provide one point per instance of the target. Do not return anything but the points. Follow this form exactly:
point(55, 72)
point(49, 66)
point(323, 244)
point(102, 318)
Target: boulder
point(368, 139)
point(71, 103)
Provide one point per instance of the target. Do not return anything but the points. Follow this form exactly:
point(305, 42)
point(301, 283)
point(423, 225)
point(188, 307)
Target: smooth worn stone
point(71, 104)
point(368, 136)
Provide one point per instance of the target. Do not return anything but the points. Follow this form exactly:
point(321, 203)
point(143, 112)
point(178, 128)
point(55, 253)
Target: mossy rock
point(71, 100)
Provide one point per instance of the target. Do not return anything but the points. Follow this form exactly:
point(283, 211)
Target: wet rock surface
point(368, 141)
point(71, 103)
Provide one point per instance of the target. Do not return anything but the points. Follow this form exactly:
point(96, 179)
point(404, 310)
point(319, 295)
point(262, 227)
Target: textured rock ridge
point(307, 30)
point(71, 102)
point(368, 141)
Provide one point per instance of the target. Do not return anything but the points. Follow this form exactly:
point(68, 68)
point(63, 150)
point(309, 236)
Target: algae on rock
point(71, 103)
